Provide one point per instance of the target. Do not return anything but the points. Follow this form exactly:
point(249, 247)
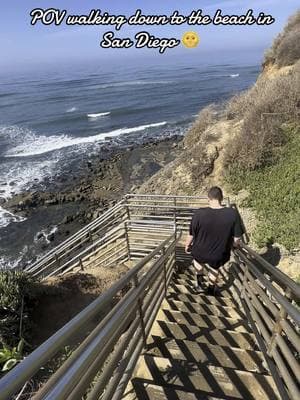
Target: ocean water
point(52, 121)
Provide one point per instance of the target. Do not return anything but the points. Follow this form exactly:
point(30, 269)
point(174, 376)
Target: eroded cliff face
point(199, 165)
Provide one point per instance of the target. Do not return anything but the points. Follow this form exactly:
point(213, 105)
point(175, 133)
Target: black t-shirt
point(213, 230)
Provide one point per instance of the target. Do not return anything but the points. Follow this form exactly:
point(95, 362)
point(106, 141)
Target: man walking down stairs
point(213, 231)
point(200, 347)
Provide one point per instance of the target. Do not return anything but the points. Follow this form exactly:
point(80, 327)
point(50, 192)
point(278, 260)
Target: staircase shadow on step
point(207, 319)
point(207, 334)
point(180, 375)
point(193, 299)
point(159, 348)
point(183, 260)
point(191, 307)
point(175, 286)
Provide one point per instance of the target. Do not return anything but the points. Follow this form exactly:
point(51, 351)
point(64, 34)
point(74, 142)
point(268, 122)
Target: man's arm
point(188, 242)
point(190, 237)
point(238, 231)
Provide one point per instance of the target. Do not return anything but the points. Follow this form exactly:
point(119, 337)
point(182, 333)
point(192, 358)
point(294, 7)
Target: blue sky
point(22, 45)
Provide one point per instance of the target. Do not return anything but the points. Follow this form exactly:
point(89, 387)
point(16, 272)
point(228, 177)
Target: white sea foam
point(44, 144)
point(71, 110)
point(103, 114)
point(15, 177)
point(44, 234)
point(19, 175)
point(225, 76)
point(7, 217)
point(10, 263)
point(6, 263)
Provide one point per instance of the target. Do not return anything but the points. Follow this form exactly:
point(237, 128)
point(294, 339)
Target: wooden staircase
point(200, 347)
point(162, 337)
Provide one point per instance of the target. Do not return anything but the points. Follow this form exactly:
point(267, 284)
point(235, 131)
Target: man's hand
point(188, 249)
point(188, 243)
point(237, 242)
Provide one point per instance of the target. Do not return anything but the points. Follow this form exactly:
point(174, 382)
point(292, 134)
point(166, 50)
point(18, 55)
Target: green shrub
point(264, 109)
point(10, 356)
point(274, 192)
point(17, 293)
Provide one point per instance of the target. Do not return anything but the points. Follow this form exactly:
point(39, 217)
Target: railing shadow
point(203, 308)
point(201, 380)
point(206, 354)
point(221, 337)
point(272, 254)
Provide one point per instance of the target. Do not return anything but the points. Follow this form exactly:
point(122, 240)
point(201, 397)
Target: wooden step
point(190, 289)
point(189, 285)
point(215, 336)
point(211, 380)
point(209, 309)
point(190, 275)
point(201, 299)
point(206, 354)
point(142, 390)
point(203, 320)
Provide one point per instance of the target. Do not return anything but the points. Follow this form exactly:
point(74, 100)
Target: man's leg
point(213, 275)
point(199, 272)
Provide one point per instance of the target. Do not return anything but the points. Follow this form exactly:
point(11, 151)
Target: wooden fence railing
point(270, 298)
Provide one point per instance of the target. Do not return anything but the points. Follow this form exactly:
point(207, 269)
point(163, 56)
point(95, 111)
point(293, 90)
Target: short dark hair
point(215, 193)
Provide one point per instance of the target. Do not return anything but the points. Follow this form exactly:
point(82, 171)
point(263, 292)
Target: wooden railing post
point(163, 252)
point(277, 327)
point(127, 240)
point(127, 211)
point(244, 280)
point(81, 264)
point(141, 315)
point(175, 216)
point(57, 260)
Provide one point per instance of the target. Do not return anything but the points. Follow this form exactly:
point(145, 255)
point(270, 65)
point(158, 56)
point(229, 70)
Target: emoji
point(190, 39)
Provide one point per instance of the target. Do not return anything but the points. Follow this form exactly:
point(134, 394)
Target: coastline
point(47, 217)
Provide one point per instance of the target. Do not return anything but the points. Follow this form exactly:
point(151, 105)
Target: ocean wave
point(7, 217)
point(63, 82)
point(7, 94)
point(103, 114)
point(71, 110)
point(17, 175)
point(37, 145)
point(130, 83)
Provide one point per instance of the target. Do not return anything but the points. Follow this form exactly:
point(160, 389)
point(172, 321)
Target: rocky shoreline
point(75, 199)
